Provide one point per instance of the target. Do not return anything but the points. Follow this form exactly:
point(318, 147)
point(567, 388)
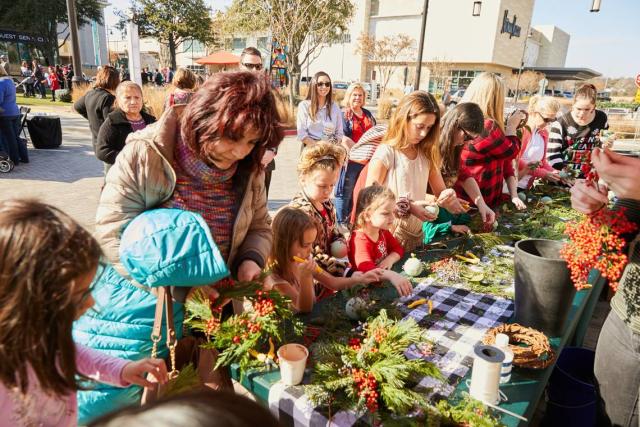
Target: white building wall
point(555, 44)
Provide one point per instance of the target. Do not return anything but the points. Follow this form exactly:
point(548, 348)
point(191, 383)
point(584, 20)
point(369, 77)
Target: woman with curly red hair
point(203, 157)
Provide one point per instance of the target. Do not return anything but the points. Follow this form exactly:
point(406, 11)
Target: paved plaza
point(70, 177)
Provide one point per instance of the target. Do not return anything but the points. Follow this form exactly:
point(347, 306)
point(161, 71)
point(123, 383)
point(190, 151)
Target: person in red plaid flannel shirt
point(489, 159)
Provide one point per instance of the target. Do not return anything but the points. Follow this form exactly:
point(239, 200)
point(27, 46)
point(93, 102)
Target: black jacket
point(95, 106)
point(113, 134)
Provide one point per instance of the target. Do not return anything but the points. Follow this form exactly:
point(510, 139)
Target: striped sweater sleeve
point(556, 146)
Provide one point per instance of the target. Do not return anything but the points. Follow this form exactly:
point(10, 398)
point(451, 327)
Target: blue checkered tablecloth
point(459, 320)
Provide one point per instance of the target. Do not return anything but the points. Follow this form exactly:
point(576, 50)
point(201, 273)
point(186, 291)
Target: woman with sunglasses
point(460, 126)
point(319, 118)
point(577, 133)
point(532, 159)
point(489, 158)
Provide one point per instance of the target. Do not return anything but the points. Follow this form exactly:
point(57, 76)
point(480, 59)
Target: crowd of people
point(369, 193)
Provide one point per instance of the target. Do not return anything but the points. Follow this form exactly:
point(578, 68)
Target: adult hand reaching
point(248, 270)
point(619, 172)
point(587, 197)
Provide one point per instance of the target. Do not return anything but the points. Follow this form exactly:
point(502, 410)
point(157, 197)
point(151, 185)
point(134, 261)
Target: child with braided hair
point(318, 169)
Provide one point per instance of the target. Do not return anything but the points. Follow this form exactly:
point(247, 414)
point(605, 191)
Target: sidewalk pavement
point(70, 177)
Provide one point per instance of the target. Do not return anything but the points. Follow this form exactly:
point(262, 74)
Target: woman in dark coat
point(97, 103)
point(128, 117)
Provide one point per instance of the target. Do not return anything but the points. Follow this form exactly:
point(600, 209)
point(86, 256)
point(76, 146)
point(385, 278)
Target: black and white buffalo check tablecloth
point(457, 324)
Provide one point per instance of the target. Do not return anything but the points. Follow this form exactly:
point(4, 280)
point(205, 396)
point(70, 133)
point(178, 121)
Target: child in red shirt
point(371, 244)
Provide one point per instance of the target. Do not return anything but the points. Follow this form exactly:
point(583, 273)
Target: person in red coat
point(532, 158)
point(54, 83)
point(489, 159)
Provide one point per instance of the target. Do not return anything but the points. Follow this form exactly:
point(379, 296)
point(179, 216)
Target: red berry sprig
point(596, 243)
point(367, 388)
point(355, 344)
point(263, 305)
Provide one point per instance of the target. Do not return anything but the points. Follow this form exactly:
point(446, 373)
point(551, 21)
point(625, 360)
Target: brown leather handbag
point(183, 352)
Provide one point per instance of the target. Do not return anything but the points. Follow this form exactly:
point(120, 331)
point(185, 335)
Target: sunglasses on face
point(547, 120)
point(325, 84)
point(256, 67)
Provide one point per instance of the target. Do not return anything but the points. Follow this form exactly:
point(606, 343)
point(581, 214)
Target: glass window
point(262, 43)
point(375, 7)
point(239, 43)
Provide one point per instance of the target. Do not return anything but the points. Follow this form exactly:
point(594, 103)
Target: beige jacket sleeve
point(139, 180)
point(253, 232)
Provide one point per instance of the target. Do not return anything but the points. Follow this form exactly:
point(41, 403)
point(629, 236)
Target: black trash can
point(543, 288)
point(45, 131)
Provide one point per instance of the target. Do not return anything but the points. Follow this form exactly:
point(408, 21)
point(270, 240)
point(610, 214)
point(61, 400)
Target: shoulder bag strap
point(156, 334)
point(172, 342)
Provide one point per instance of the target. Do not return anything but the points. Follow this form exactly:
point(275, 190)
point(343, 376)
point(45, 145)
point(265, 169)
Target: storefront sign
point(510, 27)
point(13, 36)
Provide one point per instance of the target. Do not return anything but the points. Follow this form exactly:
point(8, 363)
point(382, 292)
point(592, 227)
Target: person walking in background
point(4, 63)
point(356, 120)
point(39, 80)
point(124, 73)
point(182, 88)
point(577, 132)
point(157, 78)
point(127, 117)
point(144, 76)
point(60, 76)
point(69, 76)
point(27, 79)
point(251, 60)
point(319, 117)
point(97, 103)
point(54, 83)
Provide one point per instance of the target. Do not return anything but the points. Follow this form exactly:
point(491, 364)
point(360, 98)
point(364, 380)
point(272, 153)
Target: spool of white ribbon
point(485, 374)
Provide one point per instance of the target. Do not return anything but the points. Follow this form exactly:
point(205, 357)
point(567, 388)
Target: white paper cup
point(293, 359)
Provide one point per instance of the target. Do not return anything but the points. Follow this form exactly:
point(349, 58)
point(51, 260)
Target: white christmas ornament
point(354, 306)
point(432, 209)
point(413, 266)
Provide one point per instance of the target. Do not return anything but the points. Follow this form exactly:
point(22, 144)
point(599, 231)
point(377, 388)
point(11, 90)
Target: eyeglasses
point(325, 84)
point(256, 67)
point(467, 136)
point(546, 119)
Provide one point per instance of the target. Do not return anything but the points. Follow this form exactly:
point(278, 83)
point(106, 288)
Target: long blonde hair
point(410, 107)
point(543, 104)
point(350, 89)
point(487, 90)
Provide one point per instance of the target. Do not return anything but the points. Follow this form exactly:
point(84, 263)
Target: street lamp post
point(421, 43)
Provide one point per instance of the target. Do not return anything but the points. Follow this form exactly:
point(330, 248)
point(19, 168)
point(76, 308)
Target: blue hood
point(171, 247)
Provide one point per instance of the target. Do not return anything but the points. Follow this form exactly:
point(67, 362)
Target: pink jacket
point(42, 409)
point(544, 167)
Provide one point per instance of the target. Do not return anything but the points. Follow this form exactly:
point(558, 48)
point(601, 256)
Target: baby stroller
point(6, 165)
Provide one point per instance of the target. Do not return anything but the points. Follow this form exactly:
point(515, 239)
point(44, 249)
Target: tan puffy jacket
point(142, 178)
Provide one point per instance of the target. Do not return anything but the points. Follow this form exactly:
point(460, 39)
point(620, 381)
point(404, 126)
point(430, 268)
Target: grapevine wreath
point(531, 348)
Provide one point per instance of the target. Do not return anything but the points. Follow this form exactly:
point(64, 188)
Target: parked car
point(340, 85)
point(554, 92)
point(603, 96)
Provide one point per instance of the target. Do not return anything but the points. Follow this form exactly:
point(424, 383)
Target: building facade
point(458, 43)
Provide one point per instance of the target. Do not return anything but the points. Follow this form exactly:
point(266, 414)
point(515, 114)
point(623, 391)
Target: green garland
point(369, 372)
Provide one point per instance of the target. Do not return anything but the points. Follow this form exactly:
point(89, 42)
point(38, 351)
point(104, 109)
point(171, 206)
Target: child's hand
point(134, 372)
point(370, 276)
point(386, 263)
point(401, 283)
point(519, 204)
point(460, 229)
point(307, 267)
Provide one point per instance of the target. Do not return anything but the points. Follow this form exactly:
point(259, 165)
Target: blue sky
point(603, 41)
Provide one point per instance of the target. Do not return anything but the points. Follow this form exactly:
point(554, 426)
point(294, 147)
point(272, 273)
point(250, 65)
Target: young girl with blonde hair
point(407, 161)
point(294, 270)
